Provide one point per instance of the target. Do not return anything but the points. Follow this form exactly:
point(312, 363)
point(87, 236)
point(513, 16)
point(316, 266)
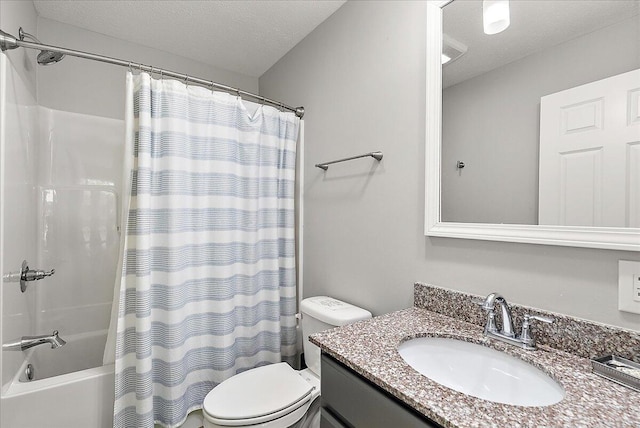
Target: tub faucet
point(27, 342)
point(525, 340)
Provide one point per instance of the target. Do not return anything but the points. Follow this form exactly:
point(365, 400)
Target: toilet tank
point(322, 313)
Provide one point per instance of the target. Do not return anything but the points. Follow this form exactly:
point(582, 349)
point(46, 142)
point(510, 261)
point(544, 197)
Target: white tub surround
point(59, 209)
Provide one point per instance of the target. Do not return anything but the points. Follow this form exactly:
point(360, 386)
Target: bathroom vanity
point(365, 381)
point(349, 400)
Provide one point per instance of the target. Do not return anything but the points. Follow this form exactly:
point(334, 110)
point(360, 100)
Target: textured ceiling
point(535, 25)
point(247, 37)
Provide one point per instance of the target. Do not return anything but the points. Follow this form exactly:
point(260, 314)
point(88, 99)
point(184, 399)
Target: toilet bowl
point(276, 395)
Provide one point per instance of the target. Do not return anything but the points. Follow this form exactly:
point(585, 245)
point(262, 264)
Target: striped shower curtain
point(207, 286)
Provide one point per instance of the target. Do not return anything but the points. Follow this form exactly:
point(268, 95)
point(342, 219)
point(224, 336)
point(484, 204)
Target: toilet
point(276, 395)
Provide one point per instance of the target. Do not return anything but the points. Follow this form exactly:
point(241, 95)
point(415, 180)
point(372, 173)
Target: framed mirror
point(490, 174)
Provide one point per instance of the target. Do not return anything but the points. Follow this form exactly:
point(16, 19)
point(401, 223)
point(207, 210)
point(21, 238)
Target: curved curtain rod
point(7, 41)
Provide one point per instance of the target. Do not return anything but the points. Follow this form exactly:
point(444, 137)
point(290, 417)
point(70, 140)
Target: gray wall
point(89, 87)
point(492, 123)
point(360, 76)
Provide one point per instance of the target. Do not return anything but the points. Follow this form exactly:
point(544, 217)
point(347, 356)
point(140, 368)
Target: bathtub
point(70, 388)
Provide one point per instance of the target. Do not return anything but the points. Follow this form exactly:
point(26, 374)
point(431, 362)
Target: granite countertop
point(369, 349)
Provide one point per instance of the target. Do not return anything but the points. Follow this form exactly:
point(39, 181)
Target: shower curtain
point(207, 286)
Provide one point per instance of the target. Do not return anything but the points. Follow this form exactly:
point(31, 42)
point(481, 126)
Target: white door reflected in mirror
point(590, 154)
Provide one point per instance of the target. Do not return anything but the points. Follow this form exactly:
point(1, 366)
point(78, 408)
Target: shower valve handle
point(27, 275)
point(36, 275)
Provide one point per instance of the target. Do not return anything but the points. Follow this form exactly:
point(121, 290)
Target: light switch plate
point(629, 286)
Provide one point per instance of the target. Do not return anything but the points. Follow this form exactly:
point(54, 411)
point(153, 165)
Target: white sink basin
point(480, 371)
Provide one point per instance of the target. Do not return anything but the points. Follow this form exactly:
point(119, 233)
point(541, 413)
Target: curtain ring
point(238, 92)
point(161, 71)
point(212, 86)
point(130, 69)
point(140, 67)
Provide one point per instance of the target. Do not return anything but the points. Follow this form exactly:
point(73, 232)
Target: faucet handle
point(526, 336)
point(528, 317)
point(483, 303)
point(36, 274)
point(478, 301)
point(27, 275)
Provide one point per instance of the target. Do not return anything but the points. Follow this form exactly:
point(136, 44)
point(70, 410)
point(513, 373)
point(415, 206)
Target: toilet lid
point(257, 393)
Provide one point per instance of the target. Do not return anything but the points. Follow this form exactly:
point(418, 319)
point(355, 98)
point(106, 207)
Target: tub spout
point(27, 342)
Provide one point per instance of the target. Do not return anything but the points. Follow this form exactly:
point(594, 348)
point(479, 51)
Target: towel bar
point(376, 155)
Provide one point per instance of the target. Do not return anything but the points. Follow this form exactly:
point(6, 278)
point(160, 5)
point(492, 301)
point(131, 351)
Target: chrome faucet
point(506, 333)
point(507, 322)
point(27, 342)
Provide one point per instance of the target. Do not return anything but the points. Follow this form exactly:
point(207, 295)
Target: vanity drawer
point(348, 400)
point(327, 420)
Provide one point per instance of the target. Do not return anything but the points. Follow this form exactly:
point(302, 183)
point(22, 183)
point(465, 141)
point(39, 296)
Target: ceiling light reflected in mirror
point(495, 16)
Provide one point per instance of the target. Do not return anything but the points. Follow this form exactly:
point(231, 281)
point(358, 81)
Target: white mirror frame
point(613, 238)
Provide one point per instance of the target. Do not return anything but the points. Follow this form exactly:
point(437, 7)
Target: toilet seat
point(258, 396)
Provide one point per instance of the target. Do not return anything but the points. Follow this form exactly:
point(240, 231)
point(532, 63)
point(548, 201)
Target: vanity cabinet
point(349, 400)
